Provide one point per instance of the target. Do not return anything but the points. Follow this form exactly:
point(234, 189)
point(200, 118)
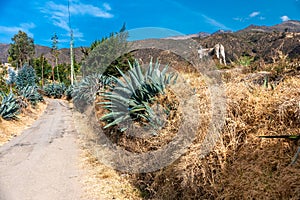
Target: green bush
point(245, 61)
point(106, 54)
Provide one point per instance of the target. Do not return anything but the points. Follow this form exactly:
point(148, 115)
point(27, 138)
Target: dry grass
point(241, 165)
point(103, 183)
point(12, 128)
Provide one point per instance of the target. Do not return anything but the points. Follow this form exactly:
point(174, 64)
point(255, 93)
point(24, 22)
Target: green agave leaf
point(129, 85)
point(138, 72)
point(164, 71)
point(138, 109)
point(117, 97)
point(112, 115)
point(134, 81)
point(117, 121)
point(122, 90)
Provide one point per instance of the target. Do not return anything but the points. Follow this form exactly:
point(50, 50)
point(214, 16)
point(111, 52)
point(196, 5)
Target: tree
point(43, 69)
point(87, 50)
point(21, 50)
point(55, 53)
point(123, 28)
point(104, 55)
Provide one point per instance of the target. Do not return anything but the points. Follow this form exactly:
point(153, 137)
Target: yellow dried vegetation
point(241, 165)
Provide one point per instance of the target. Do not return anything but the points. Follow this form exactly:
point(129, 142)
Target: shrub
point(245, 61)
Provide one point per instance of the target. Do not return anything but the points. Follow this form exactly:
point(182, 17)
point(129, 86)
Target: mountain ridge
point(254, 40)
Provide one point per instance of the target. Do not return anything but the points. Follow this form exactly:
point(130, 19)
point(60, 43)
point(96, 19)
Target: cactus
point(133, 94)
point(9, 108)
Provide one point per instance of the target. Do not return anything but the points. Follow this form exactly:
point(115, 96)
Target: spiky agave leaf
point(9, 108)
point(132, 95)
point(31, 93)
point(55, 90)
point(85, 92)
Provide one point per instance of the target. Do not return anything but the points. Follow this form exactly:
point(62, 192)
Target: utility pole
point(72, 60)
point(71, 46)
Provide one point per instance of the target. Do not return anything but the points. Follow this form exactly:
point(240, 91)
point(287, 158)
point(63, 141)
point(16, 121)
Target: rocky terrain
point(267, 43)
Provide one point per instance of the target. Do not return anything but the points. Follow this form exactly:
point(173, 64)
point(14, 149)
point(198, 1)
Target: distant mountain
point(222, 31)
point(64, 54)
point(261, 42)
point(287, 26)
point(266, 43)
point(189, 36)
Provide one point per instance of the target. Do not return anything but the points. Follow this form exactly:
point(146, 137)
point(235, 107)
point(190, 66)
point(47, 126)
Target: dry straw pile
point(241, 165)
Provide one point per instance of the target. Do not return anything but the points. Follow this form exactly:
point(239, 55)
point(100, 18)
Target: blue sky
point(93, 19)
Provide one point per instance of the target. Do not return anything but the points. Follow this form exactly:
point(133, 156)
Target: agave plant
point(69, 92)
point(85, 92)
point(133, 94)
point(9, 108)
point(55, 90)
point(31, 94)
point(12, 76)
point(25, 76)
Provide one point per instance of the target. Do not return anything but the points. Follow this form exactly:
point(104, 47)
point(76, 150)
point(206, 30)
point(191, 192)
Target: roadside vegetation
point(255, 157)
point(262, 100)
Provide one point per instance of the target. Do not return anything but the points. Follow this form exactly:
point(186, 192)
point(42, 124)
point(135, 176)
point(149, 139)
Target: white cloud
point(254, 14)
point(262, 18)
point(215, 23)
point(107, 6)
point(59, 15)
point(284, 18)
point(12, 30)
point(239, 19)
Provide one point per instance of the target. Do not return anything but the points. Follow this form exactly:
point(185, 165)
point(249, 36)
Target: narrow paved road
point(42, 163)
